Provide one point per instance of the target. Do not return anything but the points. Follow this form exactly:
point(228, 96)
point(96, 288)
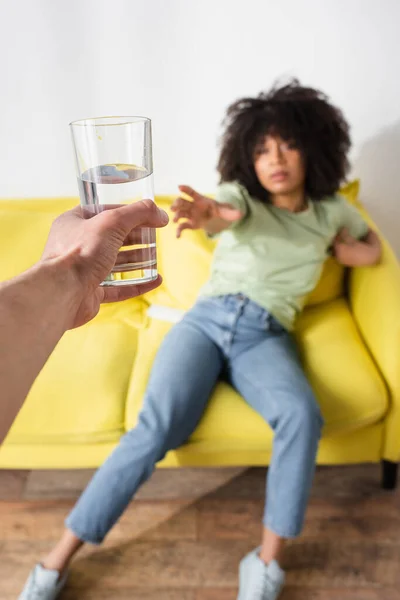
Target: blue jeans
point(234, 338)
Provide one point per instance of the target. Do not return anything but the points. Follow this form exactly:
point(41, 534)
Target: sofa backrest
point(24, 226)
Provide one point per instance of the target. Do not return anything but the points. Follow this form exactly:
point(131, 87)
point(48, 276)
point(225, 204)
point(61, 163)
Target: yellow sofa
point(90, 391)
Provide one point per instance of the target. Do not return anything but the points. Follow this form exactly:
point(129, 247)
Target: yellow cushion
point(351, 191)
point(24, 227)
point(330, 285)
point(80, 394)
point(349, 388)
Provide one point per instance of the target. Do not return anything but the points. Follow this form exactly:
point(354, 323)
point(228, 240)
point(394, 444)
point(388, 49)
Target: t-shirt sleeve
point(234, 194)
point(351, 218)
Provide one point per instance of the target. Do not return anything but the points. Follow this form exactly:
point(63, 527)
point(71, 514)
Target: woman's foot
point(258, 581)
point(43, 584)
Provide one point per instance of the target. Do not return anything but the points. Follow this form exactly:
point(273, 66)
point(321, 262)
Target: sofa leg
point(389, 474)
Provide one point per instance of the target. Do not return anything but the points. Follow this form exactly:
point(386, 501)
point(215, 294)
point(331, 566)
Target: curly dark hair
point(299, 114)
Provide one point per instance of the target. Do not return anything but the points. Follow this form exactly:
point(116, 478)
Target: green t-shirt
point(273, 256)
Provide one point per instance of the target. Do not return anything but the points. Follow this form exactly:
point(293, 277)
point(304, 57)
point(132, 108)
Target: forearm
point(216, 225)
point(364, 253)
point(217, 221)
point(360, 256)
point(35, 311)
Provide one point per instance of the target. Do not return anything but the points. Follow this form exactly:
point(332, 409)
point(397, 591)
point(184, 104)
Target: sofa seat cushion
point(79, 397)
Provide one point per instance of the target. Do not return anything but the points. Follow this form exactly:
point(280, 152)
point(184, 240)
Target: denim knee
point(307, 417)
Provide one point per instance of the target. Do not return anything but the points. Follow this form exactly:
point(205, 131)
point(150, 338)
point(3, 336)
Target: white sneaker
point(258, 581)
point(43, 584)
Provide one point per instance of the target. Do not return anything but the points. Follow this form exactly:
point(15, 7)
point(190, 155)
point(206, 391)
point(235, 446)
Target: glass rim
point(96, 121)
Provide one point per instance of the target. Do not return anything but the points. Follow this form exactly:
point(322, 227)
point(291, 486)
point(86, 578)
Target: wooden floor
point(183, 536)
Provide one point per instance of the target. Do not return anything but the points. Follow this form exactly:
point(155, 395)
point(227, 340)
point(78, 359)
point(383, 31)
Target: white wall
point(181, 62)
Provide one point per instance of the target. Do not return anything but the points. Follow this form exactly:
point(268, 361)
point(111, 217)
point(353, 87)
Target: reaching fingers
point(181, 203)
point(185, 225)
point(182, 214)
point(189, 191)
point(183, 209)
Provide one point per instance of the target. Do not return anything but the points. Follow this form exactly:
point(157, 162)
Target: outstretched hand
point(200, 211)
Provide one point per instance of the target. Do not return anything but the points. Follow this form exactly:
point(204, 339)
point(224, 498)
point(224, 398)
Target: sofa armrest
point(375, 303)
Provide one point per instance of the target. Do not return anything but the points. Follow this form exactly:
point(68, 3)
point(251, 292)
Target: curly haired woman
point(278, 217)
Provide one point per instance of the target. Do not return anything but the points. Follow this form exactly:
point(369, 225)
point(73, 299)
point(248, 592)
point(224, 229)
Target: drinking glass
point(114, 166)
